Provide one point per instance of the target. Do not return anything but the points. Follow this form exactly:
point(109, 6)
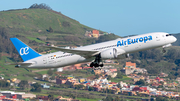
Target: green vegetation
point(42, 25)
point(125, 78)
point(35, 39)
point(36, 87)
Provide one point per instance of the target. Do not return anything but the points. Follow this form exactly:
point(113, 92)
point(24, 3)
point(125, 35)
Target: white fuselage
point(123, 46)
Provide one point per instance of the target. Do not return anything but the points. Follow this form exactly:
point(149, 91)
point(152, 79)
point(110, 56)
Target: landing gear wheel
point(97, 62)
point(92, 64)
point(101, 65)
point(164, 51)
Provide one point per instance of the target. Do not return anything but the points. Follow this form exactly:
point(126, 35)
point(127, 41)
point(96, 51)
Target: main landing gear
point(97, 63)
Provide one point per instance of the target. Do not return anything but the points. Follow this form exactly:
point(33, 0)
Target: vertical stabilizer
point(24, 50)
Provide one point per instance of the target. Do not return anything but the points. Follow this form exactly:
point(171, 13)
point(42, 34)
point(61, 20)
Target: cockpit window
point(168, 34)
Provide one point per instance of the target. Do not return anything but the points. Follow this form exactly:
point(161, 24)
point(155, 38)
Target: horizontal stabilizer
point(19, 63)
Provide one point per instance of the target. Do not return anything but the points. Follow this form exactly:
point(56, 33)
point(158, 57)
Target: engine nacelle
point(110, 53)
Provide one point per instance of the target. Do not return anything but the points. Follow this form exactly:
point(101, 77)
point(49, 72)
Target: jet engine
point(110, 53)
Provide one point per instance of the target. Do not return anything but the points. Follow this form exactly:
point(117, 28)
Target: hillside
point(33, 23)
point(37, 26)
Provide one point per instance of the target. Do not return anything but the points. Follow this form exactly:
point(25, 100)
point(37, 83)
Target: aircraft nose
point(174, 39)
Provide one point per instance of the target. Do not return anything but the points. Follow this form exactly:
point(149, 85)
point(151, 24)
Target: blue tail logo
point(25, 51)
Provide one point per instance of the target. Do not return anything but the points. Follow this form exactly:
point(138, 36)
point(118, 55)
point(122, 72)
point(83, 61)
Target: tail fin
point(24, 51)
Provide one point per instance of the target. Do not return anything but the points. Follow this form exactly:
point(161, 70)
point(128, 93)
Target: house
point(44, 76)
point(45, 86)
point(86, 67)
point(1, 78)
point(163, 75)
point(129, 68)
point(69, 68)
point(82, 80)
point(97, 88)
point(159, 79)
point(97, 72)
point(28, 95)
point(113, 83)
point(79, 68)
point(156, 84)
point(60, 81)
point(137, 78)
point(178, 79)
point(70, 77)
point(60, 98)
point(59, 69)
point(95, 33)
point(43, 98)
point(130, 64)
point(113, 70)
point(72, 82)
point(113, 75)
point(88, 33)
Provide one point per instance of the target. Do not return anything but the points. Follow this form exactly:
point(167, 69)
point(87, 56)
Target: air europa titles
point(133, 41)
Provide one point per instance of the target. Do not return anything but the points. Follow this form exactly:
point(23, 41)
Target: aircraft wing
point(84, 53)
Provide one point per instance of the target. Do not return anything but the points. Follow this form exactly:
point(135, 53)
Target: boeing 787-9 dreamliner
point(95, 53)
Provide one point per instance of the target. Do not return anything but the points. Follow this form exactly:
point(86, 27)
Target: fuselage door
point(44, 60)
point(157, 37)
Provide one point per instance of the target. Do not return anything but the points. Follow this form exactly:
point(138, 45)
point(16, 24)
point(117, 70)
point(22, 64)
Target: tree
point(50, 72)
point(92, 71)
point(4, 83)
point(79, 87)
point(36, 87)
point(109, 77)
point(108, 98)
point(50, 30)
point(159, 98)
point(71, 96)
point(23, 84)
point(40, 6)
point(119, 85)
point(51, 97)
point(119, 75)
point(97, 76)
point(91, 89)
point(140, 82)
point(46, 79)
point(53, 77)
point(117, 98)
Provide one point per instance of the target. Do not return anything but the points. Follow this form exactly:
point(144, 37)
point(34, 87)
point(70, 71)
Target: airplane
point(95, 53)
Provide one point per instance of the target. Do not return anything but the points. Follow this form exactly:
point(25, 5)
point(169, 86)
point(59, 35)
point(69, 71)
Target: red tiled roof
point(86, 67)
point(131, 64)
point(112, 83)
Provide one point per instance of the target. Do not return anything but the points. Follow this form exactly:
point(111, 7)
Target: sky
point(121, 17)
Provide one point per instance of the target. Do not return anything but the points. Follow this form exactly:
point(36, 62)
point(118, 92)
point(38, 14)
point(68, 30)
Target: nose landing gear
point(164, 51)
